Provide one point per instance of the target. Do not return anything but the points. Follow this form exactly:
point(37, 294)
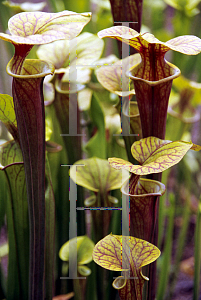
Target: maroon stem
point(129, 12)
point(153, 104)
point(29, 108)
point(152, 80)
point(143, 207)
point(144, 222)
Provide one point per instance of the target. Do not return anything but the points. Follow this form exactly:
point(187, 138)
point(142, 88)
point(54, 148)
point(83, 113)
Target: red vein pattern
point(28, 29)
point(143, 149)
point(153, 76)
point(155, 155)
point(37, 28)
point(129, 254)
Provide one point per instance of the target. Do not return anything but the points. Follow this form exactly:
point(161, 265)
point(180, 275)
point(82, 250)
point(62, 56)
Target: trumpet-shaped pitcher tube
point(29, 108)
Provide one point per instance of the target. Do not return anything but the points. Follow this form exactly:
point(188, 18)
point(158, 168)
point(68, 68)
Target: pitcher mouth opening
point(131, 109)
point(148, 188)
point(188, 120)
point(39, 68)
point(64, 87)
point(174, 70)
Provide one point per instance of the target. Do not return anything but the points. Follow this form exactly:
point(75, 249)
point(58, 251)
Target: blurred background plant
point(179, 218)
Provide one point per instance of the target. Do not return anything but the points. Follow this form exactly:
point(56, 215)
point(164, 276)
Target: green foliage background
point(180, 206)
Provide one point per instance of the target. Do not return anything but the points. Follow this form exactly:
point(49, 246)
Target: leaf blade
point(41, 28)
point(17, 218)
point(155, 155)
point(186, 44)
point(111, 246)
point(7, 115)
point(121, 253)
